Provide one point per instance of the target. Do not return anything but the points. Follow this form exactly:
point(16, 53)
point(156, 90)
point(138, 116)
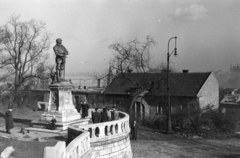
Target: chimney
point(185, 71)
point(98, 83)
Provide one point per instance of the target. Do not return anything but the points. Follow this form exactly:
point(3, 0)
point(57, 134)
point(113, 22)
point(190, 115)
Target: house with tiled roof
point(186, 90)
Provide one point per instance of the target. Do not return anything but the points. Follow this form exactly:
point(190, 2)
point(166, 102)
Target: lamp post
point(169, 118)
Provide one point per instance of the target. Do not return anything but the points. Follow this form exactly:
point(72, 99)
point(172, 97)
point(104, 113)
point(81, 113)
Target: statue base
point(61, 107)
point(65, 117)
point(59, 125)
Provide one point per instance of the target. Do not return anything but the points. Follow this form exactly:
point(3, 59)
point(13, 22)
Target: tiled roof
point(181, 84)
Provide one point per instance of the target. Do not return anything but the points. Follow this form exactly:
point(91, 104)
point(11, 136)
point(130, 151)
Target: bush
point(218, 121)
point(23, 98)
point(207, 121)
point(148, 122)
point(28, 98)
point(157, 122)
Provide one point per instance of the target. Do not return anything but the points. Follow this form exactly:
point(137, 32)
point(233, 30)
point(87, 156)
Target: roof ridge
point(165, 72)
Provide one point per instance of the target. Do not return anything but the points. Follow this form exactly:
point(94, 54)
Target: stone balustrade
point(108, 139)
point(57, 151)
point(105, 129)
point(79, 147)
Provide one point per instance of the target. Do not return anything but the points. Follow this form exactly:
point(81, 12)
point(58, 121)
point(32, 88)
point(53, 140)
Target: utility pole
point(169, 117)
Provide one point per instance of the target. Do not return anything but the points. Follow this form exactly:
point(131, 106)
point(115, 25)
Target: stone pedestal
point(61, 107)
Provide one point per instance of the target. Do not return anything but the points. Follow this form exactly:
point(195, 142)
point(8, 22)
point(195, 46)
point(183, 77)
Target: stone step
point(59, 125)
point(43, 122)
point(28, 129)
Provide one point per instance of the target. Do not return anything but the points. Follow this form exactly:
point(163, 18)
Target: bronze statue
point(61, 53)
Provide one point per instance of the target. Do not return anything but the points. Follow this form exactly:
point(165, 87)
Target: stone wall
point(118, 147)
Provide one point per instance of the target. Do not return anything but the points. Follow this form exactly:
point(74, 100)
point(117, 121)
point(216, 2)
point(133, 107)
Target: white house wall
point(209, 93)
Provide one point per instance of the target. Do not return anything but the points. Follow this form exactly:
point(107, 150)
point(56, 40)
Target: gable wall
point(209, 93)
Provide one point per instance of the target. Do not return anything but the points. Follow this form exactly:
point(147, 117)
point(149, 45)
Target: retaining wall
point(118, 147)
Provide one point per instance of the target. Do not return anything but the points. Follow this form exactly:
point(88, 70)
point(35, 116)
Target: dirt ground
point(154, 145)
point(149, 144)
point(25, 149)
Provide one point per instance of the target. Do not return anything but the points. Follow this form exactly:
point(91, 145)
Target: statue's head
point(59, 41)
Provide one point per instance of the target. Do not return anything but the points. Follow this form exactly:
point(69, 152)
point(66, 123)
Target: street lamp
point(169, 118)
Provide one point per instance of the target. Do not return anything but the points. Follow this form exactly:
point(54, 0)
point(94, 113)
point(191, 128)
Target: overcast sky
point(208, 31)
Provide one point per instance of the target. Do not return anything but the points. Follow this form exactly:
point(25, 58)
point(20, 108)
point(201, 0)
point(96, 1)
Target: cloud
point(191, 13)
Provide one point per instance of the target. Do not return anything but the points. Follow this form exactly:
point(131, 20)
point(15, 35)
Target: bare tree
point(134, 55)
point(162, 67)
point(44, 70)
point(5, 85)
point(23, 46)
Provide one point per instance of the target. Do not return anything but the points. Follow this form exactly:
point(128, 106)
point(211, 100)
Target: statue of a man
point(61, 53)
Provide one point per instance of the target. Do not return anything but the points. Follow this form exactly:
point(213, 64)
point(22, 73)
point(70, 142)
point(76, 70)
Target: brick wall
point(209, 93)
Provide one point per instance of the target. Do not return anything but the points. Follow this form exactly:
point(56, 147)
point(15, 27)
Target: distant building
point(235, 68)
